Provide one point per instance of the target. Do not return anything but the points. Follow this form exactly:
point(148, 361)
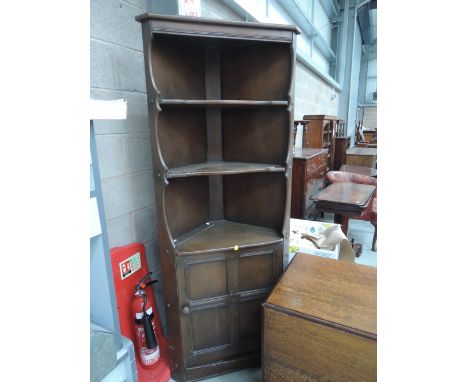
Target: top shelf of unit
point(222, 168)
point(225, 235)
point(219, 29)
point(220, 103)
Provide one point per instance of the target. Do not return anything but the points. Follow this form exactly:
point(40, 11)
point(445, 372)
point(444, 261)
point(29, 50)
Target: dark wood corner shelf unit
point(221, 116)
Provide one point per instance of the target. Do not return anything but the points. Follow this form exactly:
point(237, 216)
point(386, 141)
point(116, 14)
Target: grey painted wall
point(123, 147)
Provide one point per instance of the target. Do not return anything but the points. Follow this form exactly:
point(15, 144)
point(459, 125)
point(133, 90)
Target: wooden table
point(320, 322)
point(344, 200)
point(362, 156)
point(359, 170)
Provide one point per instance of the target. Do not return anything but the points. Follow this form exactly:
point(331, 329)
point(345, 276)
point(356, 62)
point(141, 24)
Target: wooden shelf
point(220, 103)
point(223, 235)
point(222, 168)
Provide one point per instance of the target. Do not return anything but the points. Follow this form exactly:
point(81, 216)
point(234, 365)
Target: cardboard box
point(298, 227)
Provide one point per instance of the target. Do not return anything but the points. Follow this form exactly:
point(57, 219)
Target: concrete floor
point(359, 230)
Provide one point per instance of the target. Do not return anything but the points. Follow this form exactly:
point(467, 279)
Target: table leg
point(344, 221)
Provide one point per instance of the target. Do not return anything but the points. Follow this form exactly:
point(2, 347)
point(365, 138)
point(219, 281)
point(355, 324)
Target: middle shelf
point(221, 103)
point(222, 168)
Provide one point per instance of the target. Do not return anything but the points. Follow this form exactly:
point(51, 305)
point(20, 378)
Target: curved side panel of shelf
point(153, 95)
point(165, 239)
point(288, 164)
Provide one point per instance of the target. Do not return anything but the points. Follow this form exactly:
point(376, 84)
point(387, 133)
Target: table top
point(362, 151)
point(350, 197)
point(359, 170)
point(306, 153)
point(320, 116)
point(334, 291)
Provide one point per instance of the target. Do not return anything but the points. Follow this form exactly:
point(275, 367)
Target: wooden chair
point(370, 213)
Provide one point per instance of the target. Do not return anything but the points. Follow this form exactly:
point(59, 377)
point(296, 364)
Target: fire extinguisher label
point(130, 265)
point(138, 316)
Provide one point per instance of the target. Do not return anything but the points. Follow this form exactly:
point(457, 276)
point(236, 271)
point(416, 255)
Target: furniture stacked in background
point(362, 156)
point(365, 137)
point(320, 322)
point(319, 132)
point(309, 169)
point(221, 115)
point(318, 155)
point(339, 158)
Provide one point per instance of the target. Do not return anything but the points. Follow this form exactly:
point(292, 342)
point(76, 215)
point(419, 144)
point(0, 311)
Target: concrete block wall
point(124, 147)
point(312, 94)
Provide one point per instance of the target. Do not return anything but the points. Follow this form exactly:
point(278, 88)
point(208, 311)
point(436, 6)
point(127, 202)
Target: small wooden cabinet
point(320, 132)
point(309, 169)
point(220, 108)
point(320, 323)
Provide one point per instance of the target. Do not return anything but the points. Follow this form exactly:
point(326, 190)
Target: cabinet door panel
point(210, 328)
point(255, 271)
point(250, 320)
point(207, 279)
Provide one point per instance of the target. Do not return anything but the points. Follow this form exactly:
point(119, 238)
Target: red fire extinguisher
point(144, 326)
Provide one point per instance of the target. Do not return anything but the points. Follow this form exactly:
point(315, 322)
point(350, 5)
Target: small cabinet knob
point(185, 310)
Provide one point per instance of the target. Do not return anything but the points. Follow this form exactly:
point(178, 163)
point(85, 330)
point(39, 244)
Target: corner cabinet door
point(205, 307)
point(220, 297)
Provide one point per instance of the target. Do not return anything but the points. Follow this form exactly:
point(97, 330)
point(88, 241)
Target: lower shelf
point(225, 235)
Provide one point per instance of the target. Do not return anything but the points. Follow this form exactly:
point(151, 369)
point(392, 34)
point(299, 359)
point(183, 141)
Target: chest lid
point(330, 291)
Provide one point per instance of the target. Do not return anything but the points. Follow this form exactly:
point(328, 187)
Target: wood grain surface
point(319, 323)
point(336, 291)
point(346, 193)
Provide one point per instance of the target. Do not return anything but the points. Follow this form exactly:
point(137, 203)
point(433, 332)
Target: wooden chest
point(309, 169)
point(319, 323)
point(362, 156)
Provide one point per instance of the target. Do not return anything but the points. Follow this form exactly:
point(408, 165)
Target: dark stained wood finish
point(219, 317)
point(339, 157)
point(352, 194)
point(188, 202)
point(254, 199)
point(359, 170)
point(222, 168)
point(178, 68)
point(218, 29)
point(309, 169)
point(177, 130)
point(223, 236)
point(320, 322)
point(242, 79)
point(220, 105)
point(256, 135)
